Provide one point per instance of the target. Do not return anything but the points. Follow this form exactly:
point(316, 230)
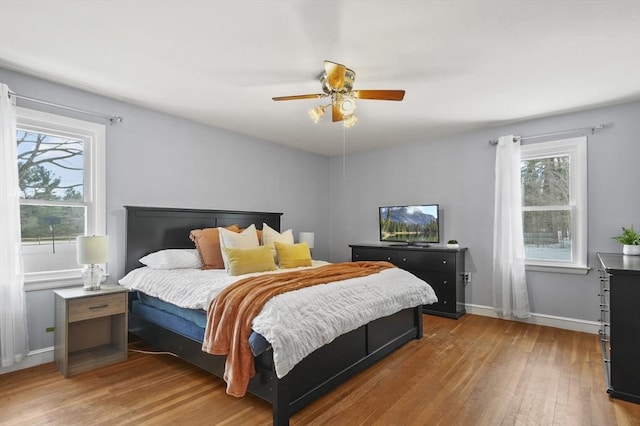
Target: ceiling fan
point(337, 83)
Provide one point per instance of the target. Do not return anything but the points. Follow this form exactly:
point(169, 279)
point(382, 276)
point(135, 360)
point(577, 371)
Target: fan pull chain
point(344, 154)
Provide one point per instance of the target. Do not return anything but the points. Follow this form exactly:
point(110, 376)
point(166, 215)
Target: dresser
point(441, 267)
point(620, 324)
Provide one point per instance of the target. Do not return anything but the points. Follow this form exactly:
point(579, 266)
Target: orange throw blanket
point(231, 314)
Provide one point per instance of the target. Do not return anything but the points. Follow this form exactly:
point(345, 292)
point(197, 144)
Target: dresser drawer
point(442, 284)
point(96, 306)
point(373, 254)
point(441, 262)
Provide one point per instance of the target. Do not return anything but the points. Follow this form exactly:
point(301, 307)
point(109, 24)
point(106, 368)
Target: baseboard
point(44, 355)
point(33, 358)
point(573, 324)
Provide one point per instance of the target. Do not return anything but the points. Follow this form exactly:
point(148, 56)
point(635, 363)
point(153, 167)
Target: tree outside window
point(50, 171)
point(547, 220)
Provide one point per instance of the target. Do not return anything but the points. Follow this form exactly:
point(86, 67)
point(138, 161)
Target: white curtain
point(510, 298)
point(13, 314)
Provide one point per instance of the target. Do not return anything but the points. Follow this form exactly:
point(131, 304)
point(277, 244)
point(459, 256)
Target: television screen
point(411, 224)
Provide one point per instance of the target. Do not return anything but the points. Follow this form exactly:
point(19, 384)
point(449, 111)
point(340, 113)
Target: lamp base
point(92, 277)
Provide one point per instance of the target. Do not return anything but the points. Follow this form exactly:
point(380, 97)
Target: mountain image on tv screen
point(412, 224)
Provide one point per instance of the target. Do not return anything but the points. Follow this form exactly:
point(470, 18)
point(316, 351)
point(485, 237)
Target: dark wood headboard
point(150, 229)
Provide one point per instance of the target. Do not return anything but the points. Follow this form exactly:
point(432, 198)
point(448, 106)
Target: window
point(554, 192)
point(62, 191)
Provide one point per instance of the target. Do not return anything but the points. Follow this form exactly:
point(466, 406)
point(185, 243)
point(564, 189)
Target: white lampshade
point(307, 237)
point(91, 250)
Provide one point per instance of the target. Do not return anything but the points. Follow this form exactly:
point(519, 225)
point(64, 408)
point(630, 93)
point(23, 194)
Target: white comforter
point(301, 321)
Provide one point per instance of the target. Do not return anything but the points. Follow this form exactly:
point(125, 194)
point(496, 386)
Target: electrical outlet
point(50, 329)
point(466, 277)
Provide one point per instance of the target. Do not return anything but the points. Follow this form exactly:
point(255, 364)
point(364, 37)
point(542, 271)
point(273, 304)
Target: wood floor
point(474, 371)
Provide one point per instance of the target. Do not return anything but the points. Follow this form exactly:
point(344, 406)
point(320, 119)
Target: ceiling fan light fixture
point(316, 113)
point(347, 105)
point(350, 121)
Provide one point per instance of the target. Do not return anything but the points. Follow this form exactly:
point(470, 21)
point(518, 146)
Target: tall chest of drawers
point(620, 324)
point(441, 267)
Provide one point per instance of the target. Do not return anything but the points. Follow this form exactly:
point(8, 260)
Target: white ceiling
point(464, 64)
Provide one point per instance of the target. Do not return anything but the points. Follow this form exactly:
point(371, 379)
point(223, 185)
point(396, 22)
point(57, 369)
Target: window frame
point(576, 149)
point(94, 184)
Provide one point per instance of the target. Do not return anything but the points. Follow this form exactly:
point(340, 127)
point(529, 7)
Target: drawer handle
point(444, 262)
point(99, 306)
point(444, 282)
point(357, 256)
point(404, 259)
point(389, 259)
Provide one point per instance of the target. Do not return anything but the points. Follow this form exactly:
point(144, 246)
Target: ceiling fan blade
point(294, 97)
point(335, 74)
point(336, 114)
point(382, 95)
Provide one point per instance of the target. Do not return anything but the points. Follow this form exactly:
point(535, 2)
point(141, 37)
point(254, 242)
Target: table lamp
point(92, 251)
point(307, 237)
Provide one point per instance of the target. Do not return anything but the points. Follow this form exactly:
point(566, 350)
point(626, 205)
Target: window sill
point(54, 283)
point(576, 270)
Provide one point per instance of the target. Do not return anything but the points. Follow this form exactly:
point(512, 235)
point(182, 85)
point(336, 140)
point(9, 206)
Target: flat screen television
point(413, 224)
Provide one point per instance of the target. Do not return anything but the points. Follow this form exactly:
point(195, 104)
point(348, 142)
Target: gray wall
point(154, 159)
point(457, 172)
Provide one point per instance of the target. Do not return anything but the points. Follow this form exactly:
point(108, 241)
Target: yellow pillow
point(246, 260)
point(293, 255)
point(248, 238)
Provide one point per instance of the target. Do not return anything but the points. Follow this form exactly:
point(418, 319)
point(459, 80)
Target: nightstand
point(90, 328)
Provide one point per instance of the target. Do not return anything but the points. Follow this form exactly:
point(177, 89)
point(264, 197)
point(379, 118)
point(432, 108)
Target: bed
point(149, 229)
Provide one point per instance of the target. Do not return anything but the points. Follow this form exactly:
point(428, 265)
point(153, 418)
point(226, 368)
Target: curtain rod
point(582, 129)
point(112, 118)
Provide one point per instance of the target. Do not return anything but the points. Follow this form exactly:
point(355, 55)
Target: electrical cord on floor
point(153, 352)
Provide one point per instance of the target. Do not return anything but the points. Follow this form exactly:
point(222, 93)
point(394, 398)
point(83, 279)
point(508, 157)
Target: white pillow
point(173, 259)
point(243, 240)
point(270, 236)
